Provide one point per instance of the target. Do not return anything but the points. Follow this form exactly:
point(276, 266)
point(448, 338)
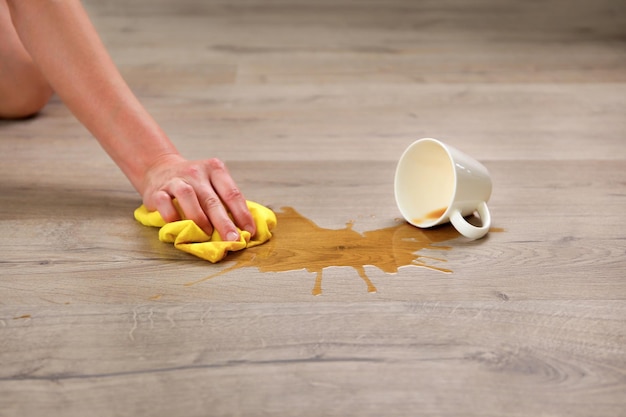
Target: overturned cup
point(436, 183)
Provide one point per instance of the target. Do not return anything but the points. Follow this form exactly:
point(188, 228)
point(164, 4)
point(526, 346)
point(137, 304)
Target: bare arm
point(64, 44)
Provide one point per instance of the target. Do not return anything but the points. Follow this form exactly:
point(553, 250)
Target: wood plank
point(261, 123)
point(65, 246)
point(523, 358)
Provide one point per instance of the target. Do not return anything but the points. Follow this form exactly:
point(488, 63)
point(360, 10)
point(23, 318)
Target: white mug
point(436, 183)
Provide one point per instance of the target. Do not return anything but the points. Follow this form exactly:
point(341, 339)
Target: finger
point(217, 213)
point(231, 196)
point(162, 202)
point(188, 201)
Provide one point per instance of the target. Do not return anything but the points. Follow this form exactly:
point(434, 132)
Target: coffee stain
point(433, 215)
point(25, 316)
point(298, 243)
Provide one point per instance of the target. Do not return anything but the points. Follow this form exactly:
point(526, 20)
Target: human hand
point(205, 192)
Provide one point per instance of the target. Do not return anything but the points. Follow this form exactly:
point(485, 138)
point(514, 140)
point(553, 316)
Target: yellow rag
point(188, 237)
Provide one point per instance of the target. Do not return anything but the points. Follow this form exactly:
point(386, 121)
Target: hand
point(205, 192)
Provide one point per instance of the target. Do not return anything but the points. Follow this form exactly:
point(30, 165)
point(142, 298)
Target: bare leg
point(23, 90)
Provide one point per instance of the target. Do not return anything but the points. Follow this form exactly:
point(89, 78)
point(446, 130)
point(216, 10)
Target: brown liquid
point(298, 244)
point(433, 215)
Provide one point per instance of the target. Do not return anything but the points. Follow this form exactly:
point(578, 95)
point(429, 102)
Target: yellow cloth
point(188, 237)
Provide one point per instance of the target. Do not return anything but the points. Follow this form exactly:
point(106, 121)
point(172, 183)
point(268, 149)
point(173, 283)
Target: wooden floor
point(311, 104)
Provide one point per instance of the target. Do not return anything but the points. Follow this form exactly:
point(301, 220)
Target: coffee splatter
point(299, 244)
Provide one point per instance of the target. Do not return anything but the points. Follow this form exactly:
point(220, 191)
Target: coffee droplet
point(298, 244)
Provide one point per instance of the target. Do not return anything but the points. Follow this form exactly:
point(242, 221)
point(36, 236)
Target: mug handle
point(469, 230)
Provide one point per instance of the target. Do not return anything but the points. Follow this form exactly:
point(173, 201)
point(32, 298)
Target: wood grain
point(328, 359)
point(311, 105)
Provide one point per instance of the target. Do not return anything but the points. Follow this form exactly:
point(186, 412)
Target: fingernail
point(249, 228)
point(232, 236)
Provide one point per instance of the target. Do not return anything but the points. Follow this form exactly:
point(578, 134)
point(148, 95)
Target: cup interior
point(425, 183)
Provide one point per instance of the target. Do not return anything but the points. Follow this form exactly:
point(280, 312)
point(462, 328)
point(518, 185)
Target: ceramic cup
point(436, 183)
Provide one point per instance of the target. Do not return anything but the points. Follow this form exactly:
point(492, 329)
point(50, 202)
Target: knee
point(36, 99)
point(26, 101)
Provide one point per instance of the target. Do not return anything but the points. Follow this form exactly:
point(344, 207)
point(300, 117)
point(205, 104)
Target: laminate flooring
point(311, 104)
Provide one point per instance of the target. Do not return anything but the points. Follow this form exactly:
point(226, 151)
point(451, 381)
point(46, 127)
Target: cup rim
point(438, 220)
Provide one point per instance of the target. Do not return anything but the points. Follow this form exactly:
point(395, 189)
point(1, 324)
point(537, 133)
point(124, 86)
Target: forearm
point(64, 44)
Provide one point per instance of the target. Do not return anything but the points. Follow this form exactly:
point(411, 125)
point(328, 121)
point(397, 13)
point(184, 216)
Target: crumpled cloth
point(188, 237)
